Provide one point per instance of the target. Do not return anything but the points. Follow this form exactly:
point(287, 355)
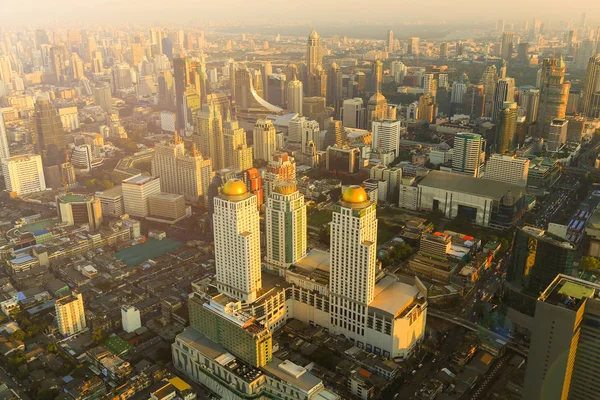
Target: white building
point(285, 216)
point(111, 201)
point(237, 242)
point(440, 156)
point(353, 113)
point(458, 92)
point(468, 154)
point(265, 141)
point(386, 136)
point(130, 318)
point(70, 315)
point(136, 191)
point(167, 121)
point(69, 116)
point(302, 131)
point(81, 158)
point(295, 96)
point(557, 136)
point(24, 174)
point(507, 169)
point(4, 149)
point(429, 84)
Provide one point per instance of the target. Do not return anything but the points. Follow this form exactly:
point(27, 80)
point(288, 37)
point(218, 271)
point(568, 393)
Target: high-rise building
point(238, 155)
point(285, 215)
point(507, 45)
point(386, 136)
point(23, 174)
point(506, 128)
point(305, 132)
point(505, 92)
point(314, 108)
point(103, 97)
point(507, 169)
point(209, 127)
point(281, 168)
point(166, 90)
point(111, 201)
point(77, 210)
point(76, 66)
point(563, 353)
point(334, 86)
point(523, 52)
point(426, 108)
point(390, 41)
point(529, 101)
point(4, 149)
point(167, 208)
point(557, 135)
point(335, 136)
point(537, 258)
point(276, 89)
point(468, 154)
point(443, 50)
point(264, 139)
point(130, 318)
point(317, 82)
point(353, 249)
point(474, 101)
point(59, 59)
point(182, 72)
point(457, 97)
point(136, 191)
point(70, 314)
point(377, 109)
point(353, 113)
point(413, 46)
point(5, 69)
point(314, 52)
point(295, 96)
point(489, 79)
point(237, 242)
point(591, 93)
point(49, 139)
point(554, 95)
point(429, 84)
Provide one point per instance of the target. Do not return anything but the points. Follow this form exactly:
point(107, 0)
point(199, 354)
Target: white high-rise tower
point(4, 149)
point(237, 242)
point(352, 262)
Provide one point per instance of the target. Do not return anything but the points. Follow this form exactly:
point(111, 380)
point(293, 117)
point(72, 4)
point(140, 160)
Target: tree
point(98, 336)
point(589, 263)
point(51, 347)
point(18, 335)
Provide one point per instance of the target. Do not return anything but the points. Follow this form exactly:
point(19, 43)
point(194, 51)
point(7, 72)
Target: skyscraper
point(182, 72)
point(334, 86)
point(285, 216)
point(103, 97)
point(377, 109)
point(554, 95)
point(426, 108)
point(209, 127)
point(353, 113)
point(507, 45)
point(390, 41)
point(166, 90)
point(5, 70)
point(23, 174)
point(276, 89)
point(281, 168)
point(443, 50)
point(469, 154)
point(386, 136)
point(474, 101)
point(335, 136)
point(591, 93)
point(70, 314)
point(557, 134)
point(353, 248)
point(413, 46)
point(489, 80)
point(295, 96)
point(237, 242)
point(4, 149)
point(317, 82)
point(237, 153)
point(49, 139)
point(264, 139)
point(506, 128)
point(505, 92)
point(314, 52)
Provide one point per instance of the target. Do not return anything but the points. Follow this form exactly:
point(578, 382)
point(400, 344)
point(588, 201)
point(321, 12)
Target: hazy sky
point(276, 11)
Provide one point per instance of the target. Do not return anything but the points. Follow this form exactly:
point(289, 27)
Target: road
point(13, 384)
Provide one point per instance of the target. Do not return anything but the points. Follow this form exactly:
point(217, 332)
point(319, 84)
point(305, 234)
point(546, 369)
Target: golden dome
point(355, 194)
point(234, 187)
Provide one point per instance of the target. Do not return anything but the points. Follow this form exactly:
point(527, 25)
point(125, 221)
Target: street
point(13, 384)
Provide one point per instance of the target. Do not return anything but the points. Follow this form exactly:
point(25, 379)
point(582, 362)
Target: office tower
point(4, 149)
point(237, 242)
point(507, 169)
point(557, 135)
point(474, 101)
point(103, 97)
point(97, 62)
point(444, 50)
point(468, 155)
point(5, 70)
point(209, 127)
point(23, 174)
point(295, 96)
point(429, 84)
point(166, 208)
point(390, 41)
point(130, 318)
point(353, 113)
point(386, 136)
point(111, 201)
point(266, 69)
point(137, 53)
point(457, 97)
point(314, 108)
point(59, 59)
point(77, 210)
point(276, 89)
point(489, 79)
point(81, 158)
point(76, 66)
point(70, 314)
point(377, 109)
point(122, 78)
point(507, 45)
point(314, 52)
point(506, 128)
point(591, 93)
point(281, 168)
point(587, 49)
point(167, 48)
point(136, 191)
point(426, 108)
point(522, 52)
point(537, 258)
point(398, 71)
point(376, 76)
point(317, 82)
point(264, 139)
point(335, 135)
point(305, 132)
point(334, 86)
point(181, 76)
point(554, 95)
point(49, 140)
point(238, 155)
point(529, 101)
point(505, 92)
point(164, 163)
point(413, 46)
point(285, 215)
point(166, 90)
point(353, 248)
point(563, 356)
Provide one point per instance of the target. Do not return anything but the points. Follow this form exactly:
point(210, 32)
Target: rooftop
point(292, 373)
point(73, 198)
point(393, 297)
point(139, 179)
point(467, 184)
point(569, 292)
point(115, 191)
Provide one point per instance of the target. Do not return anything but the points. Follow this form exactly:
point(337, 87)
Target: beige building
point(70, 315)
point(167, 207)
point(79, 210)
point(507, 169)
point(237, 153)
point(265, 141)
point(23, 174)
point(136, 191)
